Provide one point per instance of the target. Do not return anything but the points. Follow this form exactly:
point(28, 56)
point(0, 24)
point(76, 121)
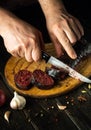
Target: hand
point(20, 38)
point(64, 30)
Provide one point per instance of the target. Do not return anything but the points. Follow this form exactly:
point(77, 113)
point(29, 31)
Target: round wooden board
point(13, 65)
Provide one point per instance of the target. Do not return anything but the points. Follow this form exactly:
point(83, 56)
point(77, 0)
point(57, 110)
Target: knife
point(59, 64)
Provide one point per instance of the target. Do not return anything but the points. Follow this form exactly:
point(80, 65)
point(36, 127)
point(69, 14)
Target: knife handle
point(45, 56)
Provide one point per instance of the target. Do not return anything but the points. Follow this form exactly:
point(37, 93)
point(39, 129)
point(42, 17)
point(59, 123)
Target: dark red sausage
point(43, 80)
point(56, 73)
point(23, 79)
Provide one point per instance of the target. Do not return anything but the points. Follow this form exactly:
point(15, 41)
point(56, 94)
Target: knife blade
point(59, 64)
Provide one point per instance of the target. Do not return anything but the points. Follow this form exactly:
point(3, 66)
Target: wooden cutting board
point(13, 65)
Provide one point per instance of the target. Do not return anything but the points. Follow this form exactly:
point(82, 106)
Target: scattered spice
point(56, 119)
point(48, 108)
point(36, 114)
point(72, 100)
point(29, 120)
point(83, 91)
point(41, 114)
point(67, 102)
point(72, 103)
point(52, 107)
point(81, 98)
point(66, 97)
point(89, 86)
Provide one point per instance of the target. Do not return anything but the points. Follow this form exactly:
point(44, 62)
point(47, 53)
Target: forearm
point(6, 19)
point(49, 7)
point(3, 19)
point(4, 14)
point(1, 15)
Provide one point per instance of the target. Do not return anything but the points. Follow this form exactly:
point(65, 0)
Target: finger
point(33, 51)
point(64, 41)
point(79, 27)
point(69, 31)
point(58, 47)
point(36, 51)
point(14, 53)
point(21, 51)
point(72, 31)
point(28, 53)
point(37, 47)
point(42, 45)
point(75, 30)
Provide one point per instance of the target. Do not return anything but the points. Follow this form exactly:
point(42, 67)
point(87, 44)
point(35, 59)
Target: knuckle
point(71, 20)
point(55, 28)
point(65, 21)
point(74, 40)
point(40, 33)
point(33, 40)
point(30, 41)
point(79, 37)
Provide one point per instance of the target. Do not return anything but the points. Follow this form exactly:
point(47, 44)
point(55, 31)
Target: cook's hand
point(20, 38)
point(65, 30)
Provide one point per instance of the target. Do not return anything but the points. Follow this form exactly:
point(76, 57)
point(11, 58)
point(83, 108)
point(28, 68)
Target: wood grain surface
point(13, 65)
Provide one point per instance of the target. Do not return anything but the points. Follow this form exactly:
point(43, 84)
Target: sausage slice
point(23, 79)
point(42, 79)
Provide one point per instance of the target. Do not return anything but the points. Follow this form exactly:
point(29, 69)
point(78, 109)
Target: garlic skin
point(17, 102)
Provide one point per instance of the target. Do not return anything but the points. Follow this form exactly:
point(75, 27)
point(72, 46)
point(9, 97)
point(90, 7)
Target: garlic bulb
point(17, 102)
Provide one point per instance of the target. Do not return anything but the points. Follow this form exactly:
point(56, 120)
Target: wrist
point(6, 18)
point(51, 7)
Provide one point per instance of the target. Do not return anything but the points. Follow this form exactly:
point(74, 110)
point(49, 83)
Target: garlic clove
point(18, 101)
point(7, 115)
point(61, 107)
point(14, 104)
